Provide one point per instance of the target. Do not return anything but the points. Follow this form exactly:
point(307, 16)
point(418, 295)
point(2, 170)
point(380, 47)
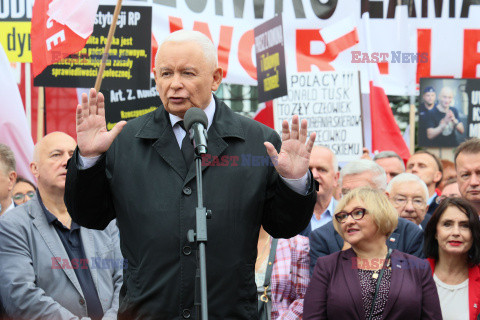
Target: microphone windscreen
point(195, 115)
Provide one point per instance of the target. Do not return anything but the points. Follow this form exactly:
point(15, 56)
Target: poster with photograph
point(448, 111)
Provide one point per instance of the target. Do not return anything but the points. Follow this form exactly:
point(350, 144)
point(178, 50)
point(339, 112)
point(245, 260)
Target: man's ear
point(12, 178)
point(217, 78)
point(34, 169)
point(437, 177)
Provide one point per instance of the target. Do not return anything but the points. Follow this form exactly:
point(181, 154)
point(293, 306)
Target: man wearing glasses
point(409, 194)
point(8, 176)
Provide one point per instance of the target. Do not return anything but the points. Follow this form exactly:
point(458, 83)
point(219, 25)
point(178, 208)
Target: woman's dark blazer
point(335, 293)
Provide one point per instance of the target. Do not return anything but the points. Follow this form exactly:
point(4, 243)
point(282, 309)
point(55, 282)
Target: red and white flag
point(265, 114)
point(60, 28)
point(14, 129)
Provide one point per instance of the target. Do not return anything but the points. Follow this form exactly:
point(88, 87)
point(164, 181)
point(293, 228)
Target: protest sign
point(330, 101)
point(126, 104)
point(270, 55)
point(128, 63)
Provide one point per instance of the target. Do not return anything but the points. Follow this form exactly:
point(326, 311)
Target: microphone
point(196, 124)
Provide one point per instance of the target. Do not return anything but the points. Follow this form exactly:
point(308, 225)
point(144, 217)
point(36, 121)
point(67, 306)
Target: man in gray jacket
point(51, 268)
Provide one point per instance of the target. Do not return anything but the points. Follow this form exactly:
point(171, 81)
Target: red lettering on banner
point(245, 46)
point(424, 45)
point(471, 56)
point(224, 43)
point(175, 24)
point(305, 59)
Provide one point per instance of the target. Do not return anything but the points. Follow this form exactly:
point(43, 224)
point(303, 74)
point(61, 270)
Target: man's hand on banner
point(292, 161)
point(93, 138)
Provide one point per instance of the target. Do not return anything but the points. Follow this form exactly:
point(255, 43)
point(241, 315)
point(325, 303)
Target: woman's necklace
point(386, 265)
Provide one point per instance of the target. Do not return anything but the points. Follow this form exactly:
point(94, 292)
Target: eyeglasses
point(356, 214)
point(400, 201)
point(20, 196)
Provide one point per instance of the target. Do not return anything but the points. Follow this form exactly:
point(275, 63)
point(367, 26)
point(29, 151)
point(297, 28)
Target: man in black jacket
point(140, 177)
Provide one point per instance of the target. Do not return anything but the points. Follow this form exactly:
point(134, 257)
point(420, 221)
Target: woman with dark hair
point(23, 190)
point(452, 245)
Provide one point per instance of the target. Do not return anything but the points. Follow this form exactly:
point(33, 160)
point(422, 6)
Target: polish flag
point(60, 28)
point(14, 130)
point(265, 114)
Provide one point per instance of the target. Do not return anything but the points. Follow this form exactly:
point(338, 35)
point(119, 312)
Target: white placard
point(330, 101)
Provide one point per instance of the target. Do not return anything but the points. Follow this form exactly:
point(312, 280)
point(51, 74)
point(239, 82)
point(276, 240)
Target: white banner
point(424, 39)
point(330, 101)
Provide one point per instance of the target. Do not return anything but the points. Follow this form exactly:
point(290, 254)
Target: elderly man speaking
point(141, 177)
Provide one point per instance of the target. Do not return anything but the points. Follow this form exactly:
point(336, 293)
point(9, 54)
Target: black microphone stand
point(200, 237)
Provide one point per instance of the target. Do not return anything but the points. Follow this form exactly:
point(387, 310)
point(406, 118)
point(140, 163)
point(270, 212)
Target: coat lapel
point(223, 128)
point(158, 127)
point(353, 281)
point(339, 239)
point(398, 272)
point(52, 240)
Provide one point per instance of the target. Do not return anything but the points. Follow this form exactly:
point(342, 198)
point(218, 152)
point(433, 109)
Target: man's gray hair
point(364, 165)
point(389, 154)
point(408, 177)
point(7, 159)
point(205, 43)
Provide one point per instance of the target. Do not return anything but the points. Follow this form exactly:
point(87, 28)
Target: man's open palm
point(93, 138)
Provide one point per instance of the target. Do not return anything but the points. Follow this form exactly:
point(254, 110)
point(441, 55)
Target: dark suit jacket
point(143, 181)
point(407, 237)
point(335, 292)
point(432, 206)
point(425, 221)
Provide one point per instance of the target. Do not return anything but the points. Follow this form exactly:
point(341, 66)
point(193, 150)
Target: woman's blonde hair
point(377, 205)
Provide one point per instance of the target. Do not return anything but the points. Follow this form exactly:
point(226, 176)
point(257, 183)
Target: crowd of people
point(102, 231)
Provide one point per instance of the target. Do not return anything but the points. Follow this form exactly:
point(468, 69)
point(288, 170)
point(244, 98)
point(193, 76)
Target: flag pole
point(40, 112)
point(111, 32)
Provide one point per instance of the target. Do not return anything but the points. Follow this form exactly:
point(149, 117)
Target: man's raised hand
point(293, 159)
point(93, 138)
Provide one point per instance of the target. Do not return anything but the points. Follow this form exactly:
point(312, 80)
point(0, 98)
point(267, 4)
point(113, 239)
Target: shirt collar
point(209, 111)
point(429, 202)
point(11, 206)
point(50, 216)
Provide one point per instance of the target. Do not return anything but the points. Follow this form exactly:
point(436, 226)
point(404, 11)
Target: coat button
point(82, 301)
point(187, 250)
point(187, 191)
point(186, 313)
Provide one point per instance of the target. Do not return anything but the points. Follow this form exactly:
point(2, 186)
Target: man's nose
point(176, 82)
point(475, 179)
point(409, 205)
